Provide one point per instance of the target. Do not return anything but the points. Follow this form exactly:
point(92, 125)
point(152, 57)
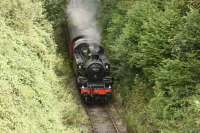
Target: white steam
point(82, 15)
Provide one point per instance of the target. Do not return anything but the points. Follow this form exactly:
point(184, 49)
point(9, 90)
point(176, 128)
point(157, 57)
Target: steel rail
point(89, 117)
point(112, 119)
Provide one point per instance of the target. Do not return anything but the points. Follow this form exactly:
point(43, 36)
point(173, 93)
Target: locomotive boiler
point(91, 66)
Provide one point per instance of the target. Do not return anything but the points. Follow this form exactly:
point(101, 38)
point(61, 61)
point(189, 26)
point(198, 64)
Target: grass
point(36, 89)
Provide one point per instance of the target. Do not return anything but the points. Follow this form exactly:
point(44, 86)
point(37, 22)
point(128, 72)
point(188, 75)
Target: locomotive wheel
point(106, 100)
point(87, 100)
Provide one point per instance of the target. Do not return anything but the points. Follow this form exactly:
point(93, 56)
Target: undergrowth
point(36, 90)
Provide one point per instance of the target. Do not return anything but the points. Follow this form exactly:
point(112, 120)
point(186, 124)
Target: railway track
point(104, 120)
point(112, 119)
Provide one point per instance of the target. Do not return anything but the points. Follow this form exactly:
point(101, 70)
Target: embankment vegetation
point(154, 47)
point(35, 85)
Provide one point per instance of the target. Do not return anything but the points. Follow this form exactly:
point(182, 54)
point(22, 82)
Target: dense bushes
point(154, 47)
point(33, 96)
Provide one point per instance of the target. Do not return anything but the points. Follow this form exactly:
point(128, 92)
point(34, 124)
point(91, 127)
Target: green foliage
point(154, 49)
point(35, 86)
point(55, 9)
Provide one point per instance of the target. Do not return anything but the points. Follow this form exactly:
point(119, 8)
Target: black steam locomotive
point(91, 66)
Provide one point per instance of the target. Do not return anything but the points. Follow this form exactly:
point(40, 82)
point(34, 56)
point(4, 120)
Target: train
point(92, 69)
point(91, 66)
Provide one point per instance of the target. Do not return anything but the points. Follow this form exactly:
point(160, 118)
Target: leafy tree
point(154, 49)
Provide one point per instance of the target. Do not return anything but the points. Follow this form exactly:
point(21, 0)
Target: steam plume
point(82, 15)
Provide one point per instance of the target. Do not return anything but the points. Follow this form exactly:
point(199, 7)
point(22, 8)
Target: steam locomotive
point(91, 66)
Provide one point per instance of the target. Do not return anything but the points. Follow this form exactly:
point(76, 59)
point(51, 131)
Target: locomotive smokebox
point(95, 70)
